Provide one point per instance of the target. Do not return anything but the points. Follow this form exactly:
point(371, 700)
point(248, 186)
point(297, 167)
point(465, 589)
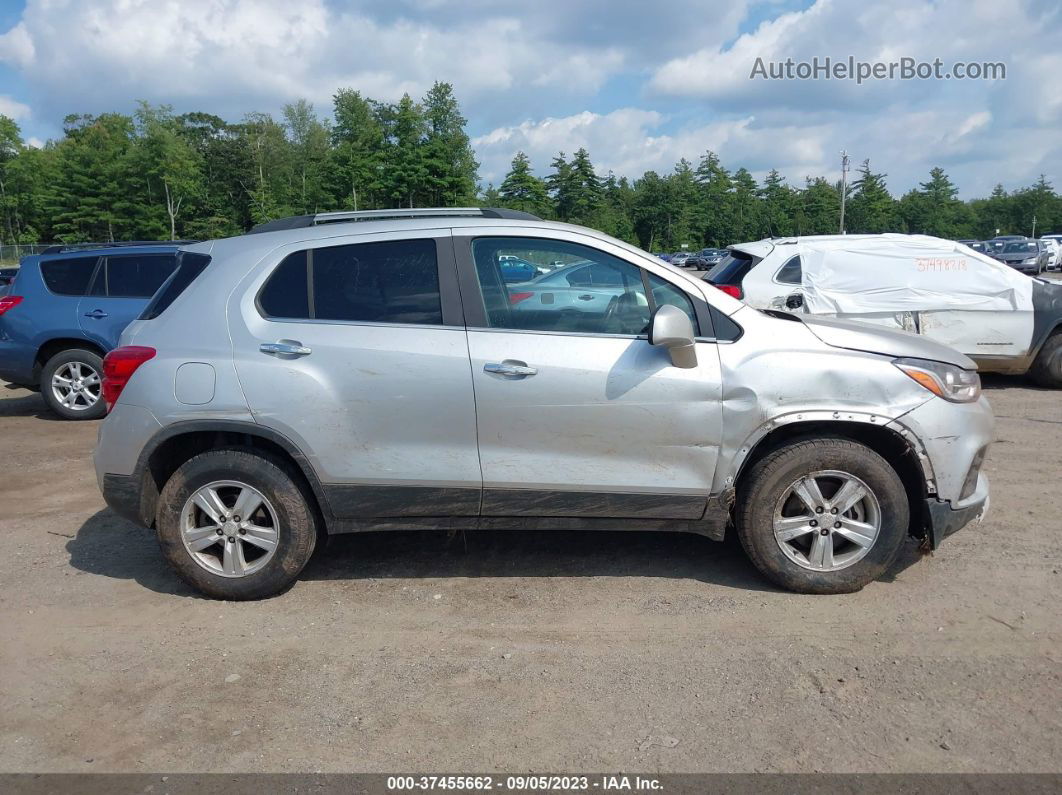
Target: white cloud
point(238, 55)
point(13, 109)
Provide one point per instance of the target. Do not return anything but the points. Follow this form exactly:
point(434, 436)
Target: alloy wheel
point(229, 528)
point(827, 520)
point(76, 386)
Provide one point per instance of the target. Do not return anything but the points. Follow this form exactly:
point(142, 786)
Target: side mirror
point(671, 328)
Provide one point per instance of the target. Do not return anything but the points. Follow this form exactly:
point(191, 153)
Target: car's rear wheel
point(822, 516)
point(1046, 369)
point(71, 384)
point(236, 524)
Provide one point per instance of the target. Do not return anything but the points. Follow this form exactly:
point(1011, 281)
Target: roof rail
point(304, 221)
point(118, 244)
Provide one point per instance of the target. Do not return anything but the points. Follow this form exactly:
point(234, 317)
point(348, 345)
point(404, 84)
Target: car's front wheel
point(236, 524)
point(1046, 369)
point(822, 515)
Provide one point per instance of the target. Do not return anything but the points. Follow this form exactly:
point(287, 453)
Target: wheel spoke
point(246, 504)
point(786, 528)
point(61, 380)
point(821, 554)
point(859, 533)
point(210, 503)
point(261, 537)
point(232, 561)
point(807, 490)
point(206, 541)
point(848, 495)
point(91, 380)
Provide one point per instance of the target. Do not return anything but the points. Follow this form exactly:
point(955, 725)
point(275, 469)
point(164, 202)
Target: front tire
point(235, 524)
point(71, 384)
point(1046, 369)
point(823, 516)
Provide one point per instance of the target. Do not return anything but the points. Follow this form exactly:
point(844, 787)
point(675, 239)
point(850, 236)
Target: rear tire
point(284, 509)
point(1046, 369)
point(767, 500)
point(72, 383)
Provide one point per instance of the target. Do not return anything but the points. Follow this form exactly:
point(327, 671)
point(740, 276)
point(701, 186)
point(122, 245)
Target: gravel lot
point(540, 652)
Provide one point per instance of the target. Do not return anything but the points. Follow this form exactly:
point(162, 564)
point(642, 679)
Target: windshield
point(731, 269)
point(1020, 248)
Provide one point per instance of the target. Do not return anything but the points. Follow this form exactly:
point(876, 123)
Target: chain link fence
point(10, 254)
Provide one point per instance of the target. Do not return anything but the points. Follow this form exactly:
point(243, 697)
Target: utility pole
point(1034, 225)
point(844, 184)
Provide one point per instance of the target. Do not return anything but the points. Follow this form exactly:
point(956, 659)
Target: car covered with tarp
point(1004, 320)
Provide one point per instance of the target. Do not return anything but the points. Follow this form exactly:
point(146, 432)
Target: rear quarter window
point(68, 276)
point(189, 266)
point(732, 268)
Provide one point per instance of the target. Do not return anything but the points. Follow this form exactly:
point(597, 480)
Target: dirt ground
point(526, 652)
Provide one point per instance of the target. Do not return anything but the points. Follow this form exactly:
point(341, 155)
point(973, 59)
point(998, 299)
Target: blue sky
point(638, 84)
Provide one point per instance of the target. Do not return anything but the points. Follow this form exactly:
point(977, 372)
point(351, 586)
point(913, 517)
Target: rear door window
point(394, 281)
point(133, 275)
point(68, 276)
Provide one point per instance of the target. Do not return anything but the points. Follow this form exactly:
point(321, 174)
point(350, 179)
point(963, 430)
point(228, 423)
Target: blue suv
point(66, 309)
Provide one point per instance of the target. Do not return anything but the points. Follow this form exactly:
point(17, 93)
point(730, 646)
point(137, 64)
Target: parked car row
point(368, 371)
point(698, 260)
point(1028, 255)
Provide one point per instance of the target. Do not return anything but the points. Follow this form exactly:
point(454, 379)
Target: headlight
point(1029, 261)
point(944, 380)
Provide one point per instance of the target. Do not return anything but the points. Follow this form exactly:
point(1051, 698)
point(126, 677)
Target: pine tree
point(449, 162)
point(560, 187)
point(871, 208)
point(522, 190)
point(715, 201)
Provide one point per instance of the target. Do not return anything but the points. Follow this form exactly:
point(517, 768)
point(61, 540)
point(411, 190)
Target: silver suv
point(350, 372)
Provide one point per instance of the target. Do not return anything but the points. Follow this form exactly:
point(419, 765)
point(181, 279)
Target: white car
point(1054, 245)
point(1005, 321)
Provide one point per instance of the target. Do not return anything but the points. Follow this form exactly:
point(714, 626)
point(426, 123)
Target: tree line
point(160, 175)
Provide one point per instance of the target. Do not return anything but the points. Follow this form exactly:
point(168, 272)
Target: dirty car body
point(683, 411)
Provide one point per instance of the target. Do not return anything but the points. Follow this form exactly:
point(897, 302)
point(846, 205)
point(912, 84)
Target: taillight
point(515, 298)
point(119, 366)
point(732, 290)
point(9, 302)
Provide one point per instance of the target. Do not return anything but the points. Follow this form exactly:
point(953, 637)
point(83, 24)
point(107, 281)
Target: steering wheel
point(624, 308)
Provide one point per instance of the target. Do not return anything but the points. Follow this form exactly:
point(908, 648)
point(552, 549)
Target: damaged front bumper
point(944, 518)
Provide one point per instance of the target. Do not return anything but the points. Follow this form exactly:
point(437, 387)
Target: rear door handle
point(586, 297)
point(285, 348)
point(96, 314)
point(509, 369)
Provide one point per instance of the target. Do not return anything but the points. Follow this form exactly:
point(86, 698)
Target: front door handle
point(96, 314)
point(510, 368)
point(586, 297)
point(285, 348)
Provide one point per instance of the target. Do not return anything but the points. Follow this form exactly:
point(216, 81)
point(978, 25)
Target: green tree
point(309, 138)
point(357, 149)
point(715, 201)
point(168, 159)
point(404, 169)
point(449, 162)
point(748, 212)
point(522, 190)
point(871, 208)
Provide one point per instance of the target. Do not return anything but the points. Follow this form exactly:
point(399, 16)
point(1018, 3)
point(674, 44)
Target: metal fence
point(10, 254)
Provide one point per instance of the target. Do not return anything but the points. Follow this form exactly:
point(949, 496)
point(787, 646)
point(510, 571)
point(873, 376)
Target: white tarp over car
point(893, 273)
